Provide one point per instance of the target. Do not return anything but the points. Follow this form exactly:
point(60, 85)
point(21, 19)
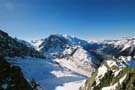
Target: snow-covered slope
point(76, 41)
point(126, 44)
point(57, 43)
point(71, 53)
point(52, 44)
point(69, 61)
point(37, 43)
point(48, 74)
point(38, 72)
point(79, 60)
point(124, 47)
point(115, 74)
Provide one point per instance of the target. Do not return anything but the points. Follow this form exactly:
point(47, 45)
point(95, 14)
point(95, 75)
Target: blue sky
point(86, 19)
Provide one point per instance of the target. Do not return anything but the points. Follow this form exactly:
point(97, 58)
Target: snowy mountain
point(36, 43)
point(56, 43)
point(19, 53)
point(60, 62)
point(12, 47)
point(53, 44)
point(124, 47)
point(24, 42)
point(79, 60)
point(115, 74)
point(71, 53)
point(11, 77)
point(117, 70)
point(76, 41)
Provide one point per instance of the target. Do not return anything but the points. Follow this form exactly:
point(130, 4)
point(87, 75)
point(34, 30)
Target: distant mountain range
point(109, 64)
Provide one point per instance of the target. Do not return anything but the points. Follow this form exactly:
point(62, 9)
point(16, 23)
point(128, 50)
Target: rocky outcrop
point(11, 77)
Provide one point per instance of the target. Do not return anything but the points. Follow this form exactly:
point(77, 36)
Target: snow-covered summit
point(71, 53)
point(76, 41)
point(57, 43)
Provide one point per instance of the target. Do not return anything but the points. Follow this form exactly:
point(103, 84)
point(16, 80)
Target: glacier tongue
point(48, 74)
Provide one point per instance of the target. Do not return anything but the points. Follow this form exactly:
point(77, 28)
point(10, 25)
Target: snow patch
point(4, 86)
point(117, 72)
point(101, 72)
point(122, 79)
point(111, 63)
point(111, 87)
point(71, 86)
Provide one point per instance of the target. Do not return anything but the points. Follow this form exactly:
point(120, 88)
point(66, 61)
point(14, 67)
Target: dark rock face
point(11, 77)
point(3, 33)
point(10, 47)
point(53, 41)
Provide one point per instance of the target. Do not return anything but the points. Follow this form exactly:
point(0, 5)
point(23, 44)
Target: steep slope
point(57, 43)
point(122, 47)
point(69, 61)
point(79, 60)
point(24, 42)
point(70, 52)
point(38, 74)
point(53, 44)
point(37, 43)
point(76, 41)
point(12, 47)
point(11, 77)
point(118, 74)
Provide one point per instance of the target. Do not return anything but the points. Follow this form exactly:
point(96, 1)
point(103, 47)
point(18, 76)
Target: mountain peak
point(68, 36)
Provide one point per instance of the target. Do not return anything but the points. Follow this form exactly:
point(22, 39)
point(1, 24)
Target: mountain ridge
point(68, 56)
